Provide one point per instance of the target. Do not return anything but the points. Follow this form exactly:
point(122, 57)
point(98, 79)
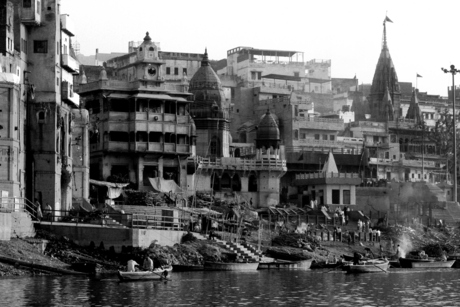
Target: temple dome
point(205, 83)
point(268, 128)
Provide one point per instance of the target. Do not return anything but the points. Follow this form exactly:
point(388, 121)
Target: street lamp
point(453, 71)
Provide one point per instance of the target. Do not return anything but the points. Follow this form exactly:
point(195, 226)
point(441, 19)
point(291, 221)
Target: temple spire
point(384, 45)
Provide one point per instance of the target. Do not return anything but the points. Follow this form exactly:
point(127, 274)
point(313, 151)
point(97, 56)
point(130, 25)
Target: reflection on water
point(261, 288)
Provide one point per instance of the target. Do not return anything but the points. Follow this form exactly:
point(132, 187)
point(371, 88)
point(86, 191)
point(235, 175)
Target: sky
point(422, 38)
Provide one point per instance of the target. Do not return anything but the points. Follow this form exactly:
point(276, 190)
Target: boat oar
point(161, 275)
point(379, 268)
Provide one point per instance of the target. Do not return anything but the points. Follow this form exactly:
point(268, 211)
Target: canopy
point(113, 189)
point(164, 186)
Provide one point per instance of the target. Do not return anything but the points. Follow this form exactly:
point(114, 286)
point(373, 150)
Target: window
point(325, 137)
point(57, 47)
point(57, 81)
point(184, 71)
point(151, 49)
point(168, 70)
point(376, 139)
point(150, 171)
point(303, 136)
point(332, 137)
point(26, 3)
point(176, 71)
point(296, 74)
point(296, 134)
point(336, 197)
point(316, 136)
point(41, 46)
point(346, 197)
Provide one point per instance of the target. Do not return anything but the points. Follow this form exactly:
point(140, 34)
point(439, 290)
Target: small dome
point(147, 37)
point(103, 74)
point(268, 129)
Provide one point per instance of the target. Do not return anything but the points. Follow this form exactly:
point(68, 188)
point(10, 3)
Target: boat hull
point(232, 266)
point(433, 264)
point(407, 263)
point(144, 275)
point(276, 265)
point(369, 267)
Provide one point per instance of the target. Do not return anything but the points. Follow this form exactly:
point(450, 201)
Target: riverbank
point(61, 253)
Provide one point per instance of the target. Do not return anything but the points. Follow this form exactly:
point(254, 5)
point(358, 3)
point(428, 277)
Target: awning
point(113, 189)
point(118, 95)
point(164, 186)
point(108, 184)
point(157, 96)
point(282, 77)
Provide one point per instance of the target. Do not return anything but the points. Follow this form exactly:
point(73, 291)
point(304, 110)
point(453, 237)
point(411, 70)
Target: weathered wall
point(5, 226)
point(22, 225)
point(116, 237)
point(372, 199)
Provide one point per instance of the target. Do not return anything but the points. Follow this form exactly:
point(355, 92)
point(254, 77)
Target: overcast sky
point(422, 38)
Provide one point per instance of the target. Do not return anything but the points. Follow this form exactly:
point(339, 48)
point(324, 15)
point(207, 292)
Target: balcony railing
point(326, 175)
point(238, 163)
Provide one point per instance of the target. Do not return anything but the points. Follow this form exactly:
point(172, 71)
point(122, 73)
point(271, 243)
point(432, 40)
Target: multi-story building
point(140, 126)
point(41, 105)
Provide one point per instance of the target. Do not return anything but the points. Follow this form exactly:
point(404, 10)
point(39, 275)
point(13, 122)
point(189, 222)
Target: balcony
point(31, 12)
point(70, 64)
point(67, 25)
point(67, 93)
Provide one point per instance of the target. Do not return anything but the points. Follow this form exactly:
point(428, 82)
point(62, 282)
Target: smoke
point(405, 245)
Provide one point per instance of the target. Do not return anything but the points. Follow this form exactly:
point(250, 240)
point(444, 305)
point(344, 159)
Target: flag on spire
point(387, 19)
point(418, 76)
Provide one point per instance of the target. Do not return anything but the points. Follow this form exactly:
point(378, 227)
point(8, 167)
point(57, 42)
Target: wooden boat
point(230, 266)
point(408, 262)
point(157, 274)
point(433, 264)
point(369, 266)
point(283, 264)
point(455, 257)
point(187, 268)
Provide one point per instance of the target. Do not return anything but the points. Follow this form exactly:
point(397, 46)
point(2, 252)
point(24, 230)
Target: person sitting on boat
point(423, 255)
point(131, 267)
point(357, 258)
point(148, 263)
point(444, 256)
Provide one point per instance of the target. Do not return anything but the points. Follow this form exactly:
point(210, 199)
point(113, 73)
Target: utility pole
point(453, 71)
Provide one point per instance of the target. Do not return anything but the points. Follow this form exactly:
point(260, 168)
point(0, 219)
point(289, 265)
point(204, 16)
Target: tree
point(442, 134)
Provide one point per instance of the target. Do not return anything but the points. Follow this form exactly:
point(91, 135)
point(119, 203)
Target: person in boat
point(357, 257)
point(444, 256)
point(422, 255)
point(148, 263)
point(131, 267)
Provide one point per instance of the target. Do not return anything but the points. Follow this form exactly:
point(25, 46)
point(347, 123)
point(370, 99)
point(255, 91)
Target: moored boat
point(283, 264)
point(369, 266)
point(408, 262)
point(455, 257)
point(433, 264)
point(230, 266)
point(157, 274)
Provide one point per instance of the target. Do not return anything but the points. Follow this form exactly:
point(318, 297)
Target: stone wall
point(5, 226)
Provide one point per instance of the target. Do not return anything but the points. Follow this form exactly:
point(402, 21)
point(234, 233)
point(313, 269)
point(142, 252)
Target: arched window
point(151, 49)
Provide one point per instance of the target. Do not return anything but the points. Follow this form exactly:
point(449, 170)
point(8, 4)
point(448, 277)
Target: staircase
point(244, 252)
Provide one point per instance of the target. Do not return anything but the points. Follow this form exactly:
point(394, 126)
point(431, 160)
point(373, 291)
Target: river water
point(260, 288)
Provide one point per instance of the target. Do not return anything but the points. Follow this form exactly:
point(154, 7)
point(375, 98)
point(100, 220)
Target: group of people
point(147, 265)
point(44, 213)
point(342, 215)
